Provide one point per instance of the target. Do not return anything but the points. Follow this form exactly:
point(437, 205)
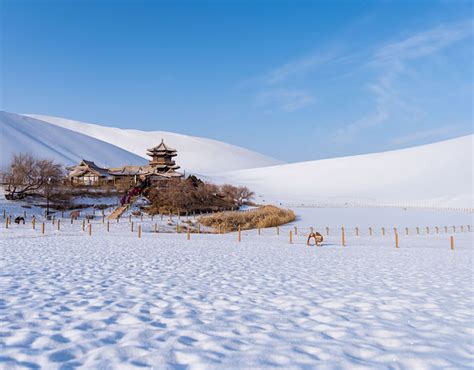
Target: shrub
point(267, 216)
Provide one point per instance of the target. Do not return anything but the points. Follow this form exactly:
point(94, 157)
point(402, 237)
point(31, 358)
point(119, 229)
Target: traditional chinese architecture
point(159, 170)
point(88, 173)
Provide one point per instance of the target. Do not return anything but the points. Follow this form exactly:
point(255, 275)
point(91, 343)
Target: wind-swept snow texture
point(195, 154)
point(113, 301)
point(20, 134)
point(439, 174)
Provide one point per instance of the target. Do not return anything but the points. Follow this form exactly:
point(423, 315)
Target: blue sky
point(297, 80)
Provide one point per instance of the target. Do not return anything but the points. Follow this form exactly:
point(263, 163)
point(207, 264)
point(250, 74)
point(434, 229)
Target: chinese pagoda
point(162, 158)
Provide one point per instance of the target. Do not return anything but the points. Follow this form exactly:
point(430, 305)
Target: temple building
point(160, 168)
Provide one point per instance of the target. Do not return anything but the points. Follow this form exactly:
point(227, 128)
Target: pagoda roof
point(162, 147)
point(85, 166)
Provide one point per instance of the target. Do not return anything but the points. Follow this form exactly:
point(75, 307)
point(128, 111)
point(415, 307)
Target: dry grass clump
point(267, 216)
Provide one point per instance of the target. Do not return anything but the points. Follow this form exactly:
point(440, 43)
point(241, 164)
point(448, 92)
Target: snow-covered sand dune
point(195, 154)
point(24, 134)
point(439, 174)
point(112, 300)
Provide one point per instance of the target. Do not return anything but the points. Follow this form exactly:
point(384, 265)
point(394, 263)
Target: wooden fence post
point(177, 228)
point(139, 231)
point(90, 229)
point(417, 230)
point(33, 222)
point(452, 242)
point(296, 230)
point(278, 230)
point(108, 226)
point(59, 223)
point(83, 225)
point(343, 239)
point(130, 218)
point(396, 240)
point(370, 231)
point(103, 217)
point(42, 228)
point(291, 237)
point(188, 236)
point(383, 231)
point(131, 227)
point(357, 231)
point(239, 238)
point(6, 223)
point(395, 230)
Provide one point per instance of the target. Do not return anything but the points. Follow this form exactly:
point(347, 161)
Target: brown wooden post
point(42, 228)
point(188, 234)
point(33, 222)
point(383, 231)
point(396, 240)
point(357, 231)
point(24, 215)
point(83, 225)
point(130, 218)
point(239, 238)
point(177, 228)
point(452, 242)
point(90, 229)
point(139, 231)
point(296, 230)
point(59, 223)
point(108, 226)
point(395, 230)
point(343, 239)
point(417, 230)
point(103, 218)
point(131, 227)
point(291, 237)
point(370, 231)
point(6, 223)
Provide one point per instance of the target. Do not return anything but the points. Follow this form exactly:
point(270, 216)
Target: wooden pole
point(131, 227)
point(396, 240)
point(139, 231)
point(370, 231)
point(108, 226)
point(343, 239)
point(59, 223)
point(90, 229)
point(383, 231)
point(296, 230)
point(177, 228)
point(42, 228)
point(103, 217)
point(130, 218)
point(278, 230)
point(357, 231)
point(6, 223)
point(239, 237)
point(291, 237)
point(417, 230)
point(4, 214)
point(33, 222)
point(188, 235)
point(395, 230)
point(83, 225)
point(452, 242)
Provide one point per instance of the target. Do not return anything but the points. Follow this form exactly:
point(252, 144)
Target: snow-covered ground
point(112, 300)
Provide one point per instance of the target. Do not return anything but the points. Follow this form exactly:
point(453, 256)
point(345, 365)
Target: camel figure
point(318, 238)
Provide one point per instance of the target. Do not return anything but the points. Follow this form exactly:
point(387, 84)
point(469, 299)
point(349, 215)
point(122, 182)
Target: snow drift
point(43, 140)
point(195, 154)
point(438, 174)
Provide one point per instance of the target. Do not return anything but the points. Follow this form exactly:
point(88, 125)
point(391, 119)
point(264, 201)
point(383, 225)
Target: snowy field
point(112, 300)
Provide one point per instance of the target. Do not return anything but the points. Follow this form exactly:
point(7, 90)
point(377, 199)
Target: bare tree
point(27, 175)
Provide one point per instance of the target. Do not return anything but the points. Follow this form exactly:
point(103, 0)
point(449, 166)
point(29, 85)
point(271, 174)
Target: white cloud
point(285, 99)
point(391, 60)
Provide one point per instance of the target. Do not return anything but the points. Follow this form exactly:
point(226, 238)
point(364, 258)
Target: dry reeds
point(267, 216)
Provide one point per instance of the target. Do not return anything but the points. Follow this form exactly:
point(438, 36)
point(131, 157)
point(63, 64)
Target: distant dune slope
point(195, 154)
point(24, 134)
point(439, 174)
